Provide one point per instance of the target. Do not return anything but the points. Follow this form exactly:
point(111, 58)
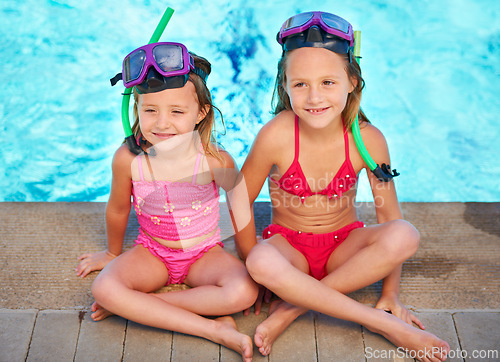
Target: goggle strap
point(116, 78)
point(201, 74)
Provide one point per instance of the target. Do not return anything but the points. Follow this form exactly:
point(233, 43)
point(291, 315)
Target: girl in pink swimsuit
point(175, 184)
point(316, 250)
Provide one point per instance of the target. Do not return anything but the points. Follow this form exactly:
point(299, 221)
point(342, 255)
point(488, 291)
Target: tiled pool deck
point(452, 284)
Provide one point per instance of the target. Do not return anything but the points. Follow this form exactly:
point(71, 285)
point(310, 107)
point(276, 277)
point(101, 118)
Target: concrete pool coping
point(452, 283)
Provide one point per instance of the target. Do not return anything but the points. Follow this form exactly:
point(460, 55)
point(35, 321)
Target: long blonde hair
point(206, 127)
point(281, 100)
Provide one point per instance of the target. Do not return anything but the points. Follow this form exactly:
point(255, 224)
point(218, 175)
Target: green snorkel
point(129, 136)
point(383, 173)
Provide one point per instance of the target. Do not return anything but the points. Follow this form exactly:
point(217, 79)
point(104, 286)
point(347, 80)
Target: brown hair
point(206, 126)
point(281, 100)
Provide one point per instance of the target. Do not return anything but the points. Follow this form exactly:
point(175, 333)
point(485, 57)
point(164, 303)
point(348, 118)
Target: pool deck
point(452, 284)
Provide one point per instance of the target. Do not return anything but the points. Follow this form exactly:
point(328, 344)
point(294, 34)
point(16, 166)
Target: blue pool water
point(431, 69)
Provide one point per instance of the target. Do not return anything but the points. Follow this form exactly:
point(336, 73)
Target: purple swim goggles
point(157, 66)
point(316, 29)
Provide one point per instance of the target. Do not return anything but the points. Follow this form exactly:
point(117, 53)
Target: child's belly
point(317, 214)
point(184, 243)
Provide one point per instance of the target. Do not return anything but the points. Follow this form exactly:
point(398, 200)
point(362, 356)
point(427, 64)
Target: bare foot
point(281, 315)
point(419, 344)
point(228, 335)
point(99, 312)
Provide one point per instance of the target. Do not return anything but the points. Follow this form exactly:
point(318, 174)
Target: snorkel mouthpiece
point(384, 172)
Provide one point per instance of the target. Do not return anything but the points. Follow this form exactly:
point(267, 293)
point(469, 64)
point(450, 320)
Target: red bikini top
point(294, 181)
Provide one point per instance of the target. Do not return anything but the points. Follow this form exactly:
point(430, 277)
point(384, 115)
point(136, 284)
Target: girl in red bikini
point(316, 250)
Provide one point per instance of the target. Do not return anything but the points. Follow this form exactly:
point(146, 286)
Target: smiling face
point(171, 112)
point(318, 85)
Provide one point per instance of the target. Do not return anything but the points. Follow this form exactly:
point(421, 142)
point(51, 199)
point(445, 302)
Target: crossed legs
point(367, 255)
point(220, 283)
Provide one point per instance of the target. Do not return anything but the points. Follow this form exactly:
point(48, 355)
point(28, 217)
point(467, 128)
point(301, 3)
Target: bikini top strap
point(150, 168)
point(196, 167)
point(346, 142)
point(139, 164)
point(216, 191)
point(195, 173)
point(296, 138)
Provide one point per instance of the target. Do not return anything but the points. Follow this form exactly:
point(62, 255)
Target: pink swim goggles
point(157, 66)
point(330, 23)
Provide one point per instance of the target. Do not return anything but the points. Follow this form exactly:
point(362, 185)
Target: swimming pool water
point(431, 70)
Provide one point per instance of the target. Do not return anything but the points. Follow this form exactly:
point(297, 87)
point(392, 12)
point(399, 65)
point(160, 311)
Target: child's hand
point(92, 262)
point(394, 306)
point(264, 296)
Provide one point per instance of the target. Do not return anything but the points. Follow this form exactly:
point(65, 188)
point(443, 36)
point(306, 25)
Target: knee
point(259, 262)
point(103, 289)
point(242, 296)
point(402, 239)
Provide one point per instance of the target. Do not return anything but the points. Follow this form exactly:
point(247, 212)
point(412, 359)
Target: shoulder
point(372, 136)
point(225, 171)
point(282, 122)
point(375, 143)
point(122, 160)
point(122, 154)
point(273, 143)
point(226, 162)
point(277, 133)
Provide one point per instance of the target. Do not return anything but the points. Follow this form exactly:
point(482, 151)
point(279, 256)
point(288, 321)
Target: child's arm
point(119, 204)
point(117, 213)
point(252, 177)
point(237, 196)
point(387, 209)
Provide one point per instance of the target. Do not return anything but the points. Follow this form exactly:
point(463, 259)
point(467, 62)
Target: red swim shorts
point(317, 248)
